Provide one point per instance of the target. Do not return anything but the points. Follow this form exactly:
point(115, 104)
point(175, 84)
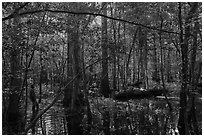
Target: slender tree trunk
point(118, 56)
point(141, 70)
point(130, 52)
point(155, 76)
point(35, 107)
point(168, 65)
point(114, 50)
point(124, 57)
point(26, 77)
point(145, 61)
point(41, 71)
point(181, 122)
point(134, 65)
point(161, 54)
point(86, 82)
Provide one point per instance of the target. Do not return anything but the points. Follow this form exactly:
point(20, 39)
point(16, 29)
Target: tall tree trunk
point(69, 88)
point(73, 98)
point(162, 65)
point(168, 65)
point(26, 77)
point(75, 101)
point(124, 57)
point(183, 96)
point(155, 74)
point(141, 70)
point(87, 80)
point(134, 64)
point(114, 49)
point(129, 54)
point(193, 125)
point(41, 73)
point(118, 55)
point(14, 117)
point(105, 89)
point(161, 53)
point(145, 60)
point(182, 124)
point(35, 107)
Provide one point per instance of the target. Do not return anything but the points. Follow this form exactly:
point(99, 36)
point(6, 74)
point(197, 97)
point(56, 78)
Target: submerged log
point(137, 93)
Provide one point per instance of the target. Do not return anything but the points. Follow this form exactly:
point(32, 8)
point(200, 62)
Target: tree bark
point(182, 124)
point(141, 70)
point(14, 117)
point(105, 89)
point(114, 49)
point(192, 108)
point(155, 74)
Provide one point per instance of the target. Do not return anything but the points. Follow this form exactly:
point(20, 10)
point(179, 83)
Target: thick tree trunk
point(35, 107)
point(76, 116)
point(183, 96)
point(182, 124)
point(192, 108)
point(105, 89)
point(69, 88)
point(106, 122)
point(14, 118)
point(73, 98)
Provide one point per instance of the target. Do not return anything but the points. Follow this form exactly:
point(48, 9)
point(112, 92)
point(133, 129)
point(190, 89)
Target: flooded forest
point(101, 68)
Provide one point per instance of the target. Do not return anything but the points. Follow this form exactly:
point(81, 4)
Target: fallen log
point(136, 93)
point(169, 98)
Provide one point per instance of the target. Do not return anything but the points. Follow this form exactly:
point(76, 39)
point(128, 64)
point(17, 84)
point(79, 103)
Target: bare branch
point(88, 13)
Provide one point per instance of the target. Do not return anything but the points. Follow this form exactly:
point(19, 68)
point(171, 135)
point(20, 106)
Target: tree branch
point(88, 13)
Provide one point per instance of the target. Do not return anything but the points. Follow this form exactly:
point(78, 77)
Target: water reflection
point(53, 122)
point(147, 117)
